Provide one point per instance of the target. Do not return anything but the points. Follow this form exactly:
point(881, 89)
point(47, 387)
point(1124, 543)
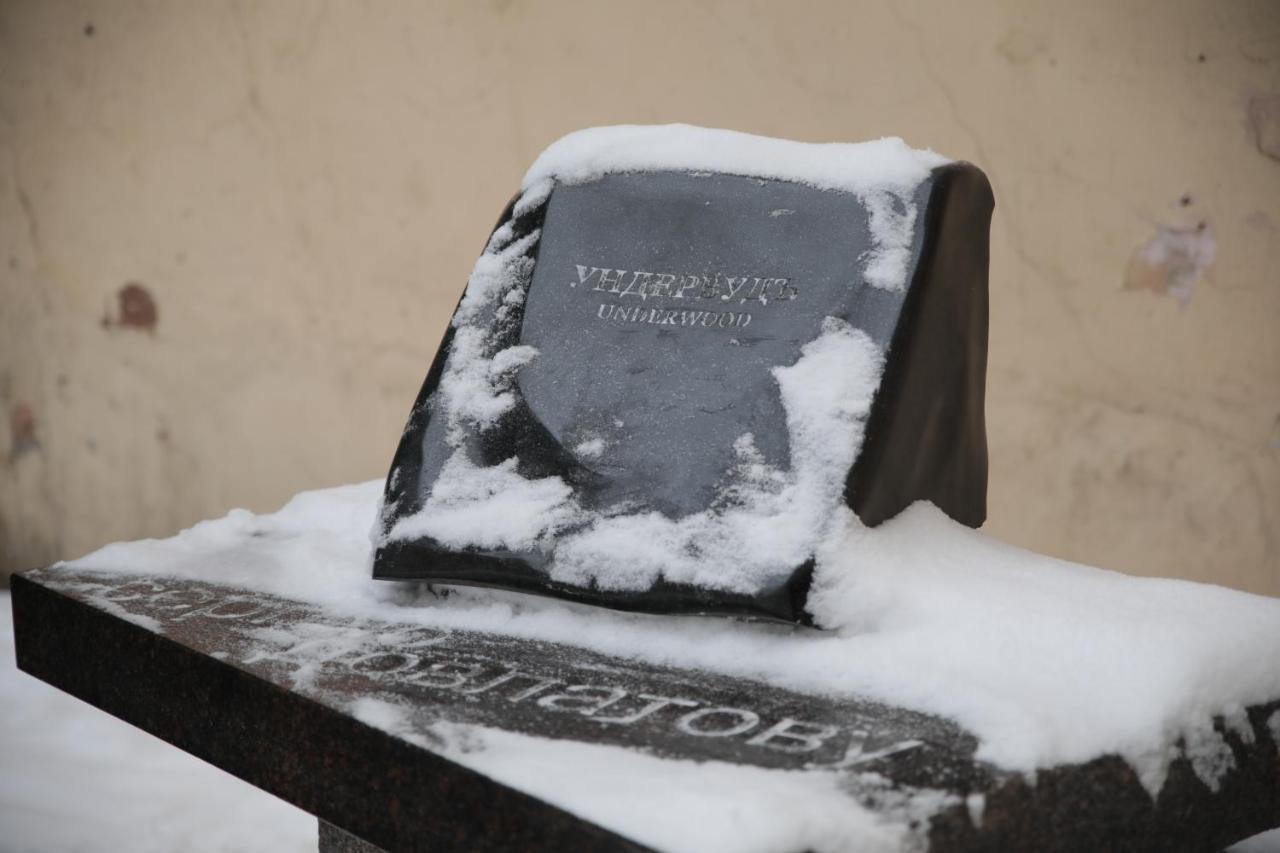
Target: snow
point(1266, 842)
point(495, 271)
point(763, 519)
point(882, 172)
point(591, 448)
point(860, 168)
point(707, 807)
point(73, 778)
point(491, 507)
point(977, 807)
point(1045, 661)
point(892, 230)
point(1048, 661)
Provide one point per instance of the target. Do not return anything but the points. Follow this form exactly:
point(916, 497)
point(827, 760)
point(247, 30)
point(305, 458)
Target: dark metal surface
point(668, 380)
point(670, 399)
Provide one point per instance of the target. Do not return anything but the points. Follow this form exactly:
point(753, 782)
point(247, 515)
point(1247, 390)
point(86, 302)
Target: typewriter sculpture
point(683, 357)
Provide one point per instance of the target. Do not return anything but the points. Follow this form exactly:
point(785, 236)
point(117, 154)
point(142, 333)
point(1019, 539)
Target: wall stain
point(29, 214)
point(1020, 47)
point(22, 431)
point(135, 309)
point(1261, 220)
point(1264, 122)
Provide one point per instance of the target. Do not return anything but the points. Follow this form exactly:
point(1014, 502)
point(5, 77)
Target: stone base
point(334, 840)
point(267, 689)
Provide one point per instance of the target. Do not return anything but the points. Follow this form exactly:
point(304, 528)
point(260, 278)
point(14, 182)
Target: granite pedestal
point(292, 699)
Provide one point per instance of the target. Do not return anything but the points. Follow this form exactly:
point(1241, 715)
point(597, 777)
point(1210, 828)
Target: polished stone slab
point(271, 690)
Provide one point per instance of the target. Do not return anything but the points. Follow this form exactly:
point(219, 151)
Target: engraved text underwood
point(685, 296)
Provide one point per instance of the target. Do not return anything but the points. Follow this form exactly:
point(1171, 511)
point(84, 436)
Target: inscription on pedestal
point(538, 688)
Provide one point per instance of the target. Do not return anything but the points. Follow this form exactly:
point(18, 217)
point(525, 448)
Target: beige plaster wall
point(297, 192)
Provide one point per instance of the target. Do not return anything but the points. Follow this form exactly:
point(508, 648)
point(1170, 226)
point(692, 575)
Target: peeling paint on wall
point(22, 431)
point(1172, 261)
point(135, 309)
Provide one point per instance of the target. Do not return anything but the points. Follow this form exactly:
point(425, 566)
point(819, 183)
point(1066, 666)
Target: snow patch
point(1266, 842)
point(976, 805)
point(490, 507)
point(705, 807)
point(883, 173)
point(497, 270)
point(1210, 755)
point(75, 778)
point(1237, 722)
point(591, 448)
point(893, 222)
point(476, 389)
point(763, 519)
point(860, 168)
